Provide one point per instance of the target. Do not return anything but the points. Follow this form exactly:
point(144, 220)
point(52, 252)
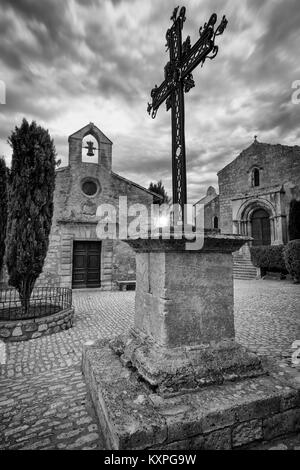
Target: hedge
point(294, 220)
point(269, 258)
point(291, 255)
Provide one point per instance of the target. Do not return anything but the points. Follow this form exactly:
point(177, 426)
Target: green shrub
point(269, 258)
point(291, 254)
point(294, 220)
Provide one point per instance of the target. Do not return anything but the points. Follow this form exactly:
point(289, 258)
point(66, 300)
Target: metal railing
point(43, 301)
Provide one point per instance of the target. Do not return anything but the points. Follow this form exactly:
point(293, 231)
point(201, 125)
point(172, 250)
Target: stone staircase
point(243, 267)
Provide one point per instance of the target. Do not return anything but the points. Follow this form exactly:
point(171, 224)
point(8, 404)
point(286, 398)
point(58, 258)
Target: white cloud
point(69, 63)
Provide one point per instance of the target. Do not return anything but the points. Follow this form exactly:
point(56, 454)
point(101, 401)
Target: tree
point(3, 208)
point(291, 254)
point(159, 189)
point(294, 220)
point(30, 206)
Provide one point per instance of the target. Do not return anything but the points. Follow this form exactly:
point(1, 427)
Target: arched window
point(89, 149)
point(255, 177)
point(216, 222)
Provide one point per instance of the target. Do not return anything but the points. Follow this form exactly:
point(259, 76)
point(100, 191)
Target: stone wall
point(212, 210)
point(22, 330)
point(210, 204)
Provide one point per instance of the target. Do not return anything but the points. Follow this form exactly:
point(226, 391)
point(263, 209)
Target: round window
point(89, 188)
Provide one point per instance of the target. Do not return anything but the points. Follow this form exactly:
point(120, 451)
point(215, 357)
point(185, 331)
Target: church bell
point(90, 152)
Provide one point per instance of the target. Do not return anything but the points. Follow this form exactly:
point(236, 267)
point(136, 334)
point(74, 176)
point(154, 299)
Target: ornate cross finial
point(178, 80)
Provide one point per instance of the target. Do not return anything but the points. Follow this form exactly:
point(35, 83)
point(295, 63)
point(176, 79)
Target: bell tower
point(102, 149)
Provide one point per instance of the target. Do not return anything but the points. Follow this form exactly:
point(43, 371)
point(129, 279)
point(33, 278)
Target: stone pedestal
point(183, 335)
point(179, 364)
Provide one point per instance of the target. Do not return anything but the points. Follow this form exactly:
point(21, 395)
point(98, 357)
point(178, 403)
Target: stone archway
point(256, 219)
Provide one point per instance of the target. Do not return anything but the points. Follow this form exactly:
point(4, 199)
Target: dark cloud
point(67, 63)
point(53, 14)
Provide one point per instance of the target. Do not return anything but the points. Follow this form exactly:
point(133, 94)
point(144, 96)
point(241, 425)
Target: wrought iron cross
point(184, 58)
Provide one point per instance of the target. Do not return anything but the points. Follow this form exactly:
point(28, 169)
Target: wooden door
point(261, 231)
point(86, 264)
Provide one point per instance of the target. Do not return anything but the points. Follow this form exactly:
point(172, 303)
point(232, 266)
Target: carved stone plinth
point(179, 370)
point(183, 336)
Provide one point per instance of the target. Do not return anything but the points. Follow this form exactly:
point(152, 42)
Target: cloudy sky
point(68, 62)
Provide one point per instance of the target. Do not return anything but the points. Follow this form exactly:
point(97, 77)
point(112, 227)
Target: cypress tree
point(3, 209)
point(30, 206)
point(294, 220)
point(159, 189)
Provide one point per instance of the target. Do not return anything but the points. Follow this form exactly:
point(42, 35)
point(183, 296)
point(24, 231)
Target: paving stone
point(67, 435)
point(42, 388)
point(7, 402)
point(15, 430)
point(279, 447)
point(87, 439)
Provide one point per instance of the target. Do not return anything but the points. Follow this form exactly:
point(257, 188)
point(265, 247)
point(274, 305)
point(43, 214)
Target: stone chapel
point(255, 191)
point(76, 257)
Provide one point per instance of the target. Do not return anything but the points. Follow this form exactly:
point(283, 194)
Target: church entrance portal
point(261, 231)
point(86, 264)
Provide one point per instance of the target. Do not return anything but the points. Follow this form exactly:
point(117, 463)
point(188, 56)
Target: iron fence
point(43, 301)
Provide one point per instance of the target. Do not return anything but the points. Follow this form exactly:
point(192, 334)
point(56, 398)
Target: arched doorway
point(261, 230)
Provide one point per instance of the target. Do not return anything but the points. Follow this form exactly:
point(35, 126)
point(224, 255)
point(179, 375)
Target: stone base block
point(231, 415)
point(178, 370)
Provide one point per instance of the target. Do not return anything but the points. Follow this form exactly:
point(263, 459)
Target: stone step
point(243, 268)
point(243, 276)
point(243, 264)
point(242, 260)
point(247, 265)
point(251, 273)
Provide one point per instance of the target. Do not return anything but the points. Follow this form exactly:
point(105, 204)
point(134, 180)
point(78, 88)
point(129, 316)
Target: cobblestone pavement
point(43, 396)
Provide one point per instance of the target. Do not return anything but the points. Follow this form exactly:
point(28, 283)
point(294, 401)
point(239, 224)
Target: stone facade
point(263, 177)
point(211, 205)
point(277, 169)
point(75, 213)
